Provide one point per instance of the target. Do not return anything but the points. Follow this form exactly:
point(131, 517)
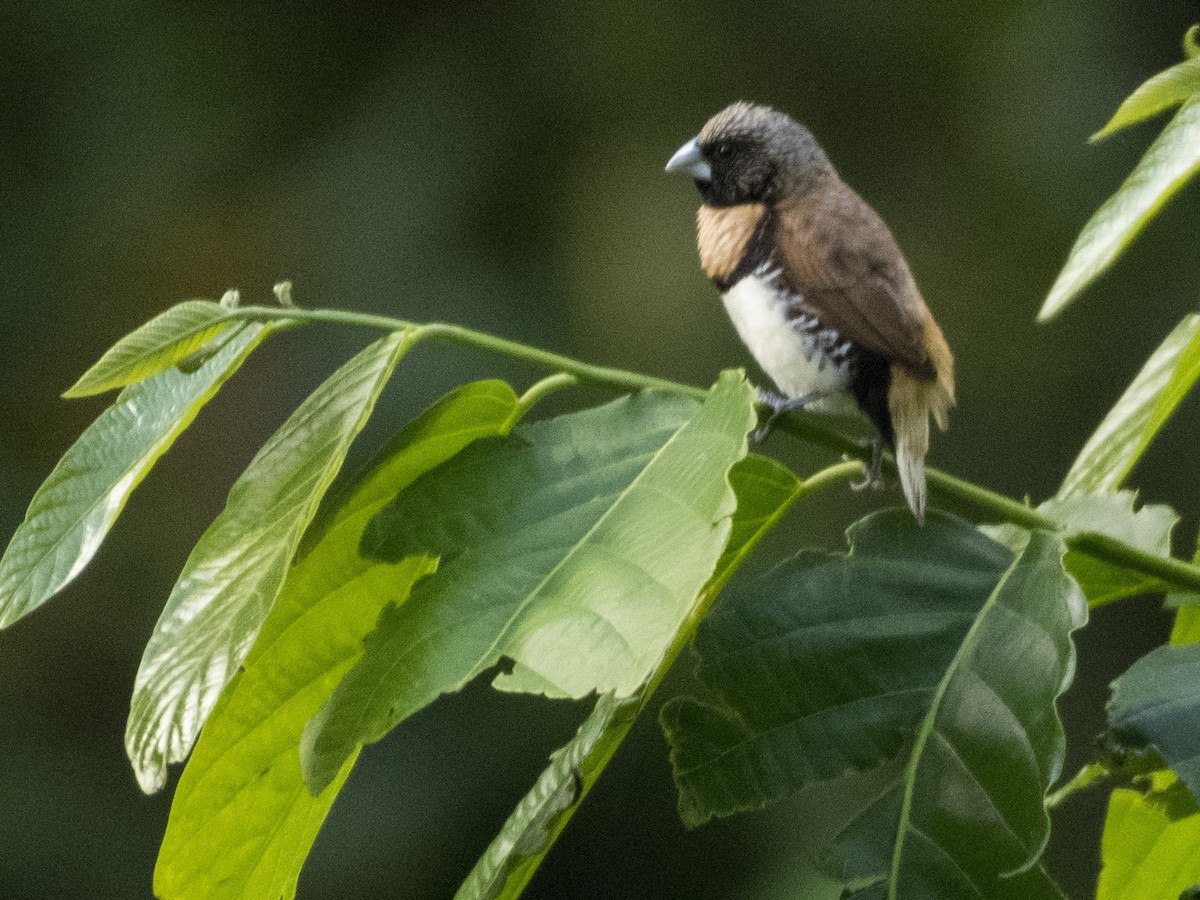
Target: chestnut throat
point(739, 241)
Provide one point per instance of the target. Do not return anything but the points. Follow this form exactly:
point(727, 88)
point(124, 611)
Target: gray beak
point(688, 158)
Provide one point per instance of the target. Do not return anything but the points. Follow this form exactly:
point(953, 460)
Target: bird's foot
point(779, 405)
point(873, 478)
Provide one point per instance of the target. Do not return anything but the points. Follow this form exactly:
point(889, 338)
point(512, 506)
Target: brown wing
point(841, 259)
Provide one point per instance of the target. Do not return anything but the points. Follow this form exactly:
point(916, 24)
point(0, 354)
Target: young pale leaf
point(242, 820)
point(77, 505)
point(948, 652)
point(1148, 528)
point(156, 346)
point(1166, 89)
point(1143, 409)
point(573, 547)
point(765, 490)
point(514, 856)
point(234, 573)
point(1171, 160)
point(1148, 848)
point(1156, 704)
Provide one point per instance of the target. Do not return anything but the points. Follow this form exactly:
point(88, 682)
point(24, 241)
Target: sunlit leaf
point(76, 506)
point(1166, 89)
point(1151, 847)
point(243, 821)
point(949, 656)
point(572, 548)
point(1171, 160)
point(234, 573)
point(765, 490)
point(157, 345)
point(1148, 850)
point(1143, 409)
point(1114, 515)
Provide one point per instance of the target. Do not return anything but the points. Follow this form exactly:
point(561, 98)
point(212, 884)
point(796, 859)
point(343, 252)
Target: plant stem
point(541, 389)
point(1085, 777)
point(1173, 572)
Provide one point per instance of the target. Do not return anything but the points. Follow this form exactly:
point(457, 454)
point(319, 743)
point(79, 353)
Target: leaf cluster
point(916, 671)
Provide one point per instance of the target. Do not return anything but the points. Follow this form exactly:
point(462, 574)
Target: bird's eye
point(723, 150)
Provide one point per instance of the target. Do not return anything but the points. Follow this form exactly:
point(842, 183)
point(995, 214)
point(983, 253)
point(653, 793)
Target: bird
point(817, 287)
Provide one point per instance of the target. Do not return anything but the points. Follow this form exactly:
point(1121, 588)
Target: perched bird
point(816, 285)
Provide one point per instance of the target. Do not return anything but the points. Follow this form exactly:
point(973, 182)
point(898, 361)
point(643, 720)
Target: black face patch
point(741, 171)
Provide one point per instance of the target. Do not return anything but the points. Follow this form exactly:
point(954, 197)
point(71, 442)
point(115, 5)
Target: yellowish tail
point(911, 401)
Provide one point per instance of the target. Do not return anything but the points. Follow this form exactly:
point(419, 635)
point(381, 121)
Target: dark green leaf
point(949, 655)
point(1143, 409)
point(234, 573)
point(242, 820)
point(861, 858)
point(890, 618)
point(77, 505)
point(1156, 704)
point(1171, 160)
point(1148, 528)
point(765, 490)
point(156, 346)
point(573, 548)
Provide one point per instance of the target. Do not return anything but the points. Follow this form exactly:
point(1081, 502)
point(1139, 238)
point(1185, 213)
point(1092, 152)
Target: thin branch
point(1172, 572)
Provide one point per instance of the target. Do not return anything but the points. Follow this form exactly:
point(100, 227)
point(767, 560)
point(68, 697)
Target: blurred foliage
point(500, 165)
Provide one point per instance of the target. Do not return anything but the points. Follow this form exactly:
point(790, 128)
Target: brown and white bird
point(816, 285)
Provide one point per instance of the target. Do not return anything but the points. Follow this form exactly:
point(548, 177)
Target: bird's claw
point(779, 405)
point(873, 475)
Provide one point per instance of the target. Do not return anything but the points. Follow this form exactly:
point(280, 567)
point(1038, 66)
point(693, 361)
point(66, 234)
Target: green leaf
point(1155, 705)
point(156, 346)
point(235, 571)
point(765, 490)
point(949, 656)
point(514, 856)
point(573, 548)
point(1148, 850)
point(853, 827)
point(1171, 160)
point(1143, 409)
point(1166, 89)
point(1151, 841)
point(1148, 528)
point(77, 505)
point(242, 820)
point(1191, 42)
point(476, 410)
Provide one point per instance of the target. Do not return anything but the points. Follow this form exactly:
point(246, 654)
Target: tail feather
point(911, 401)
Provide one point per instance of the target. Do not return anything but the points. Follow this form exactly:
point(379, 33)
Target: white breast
point(797, 358)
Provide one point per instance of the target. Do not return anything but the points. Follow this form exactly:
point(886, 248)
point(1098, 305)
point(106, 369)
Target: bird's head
point(748, 154)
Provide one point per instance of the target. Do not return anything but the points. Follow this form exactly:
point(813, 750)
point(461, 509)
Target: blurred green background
point(500, 165)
